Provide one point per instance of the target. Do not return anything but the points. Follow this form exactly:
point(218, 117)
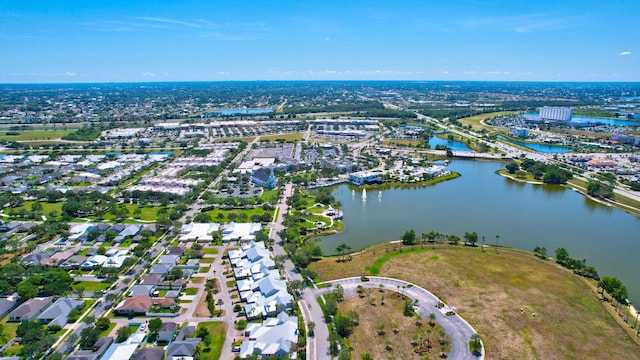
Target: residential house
point(166, 333)
point(99, 348)
point(274, 337)
point(42, 257)
point(240, 231)
point(162, 269)
point(182, 350)
point(130, 230)
point(176, 250)
point(198, 231)
point(6, 305)
point(58, 313)
point(122, 351)
point(29, 310)
point(169, 259)
point(149, 353)
point(142, 290)
point(186, 332)
point(137, 305)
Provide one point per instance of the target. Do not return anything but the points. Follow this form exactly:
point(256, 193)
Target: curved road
point(459, 330)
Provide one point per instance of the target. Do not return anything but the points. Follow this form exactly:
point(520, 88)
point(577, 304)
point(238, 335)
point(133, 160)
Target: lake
point(543, 148)
point(524, 216)
point(604, 121)
point(235, 112)
point(453, 145)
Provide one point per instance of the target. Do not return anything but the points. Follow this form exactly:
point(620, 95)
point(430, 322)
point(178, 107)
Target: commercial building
point(556, 113)
point(518, 132)
point(365, 177)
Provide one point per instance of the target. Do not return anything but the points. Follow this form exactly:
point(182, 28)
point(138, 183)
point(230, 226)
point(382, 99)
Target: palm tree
point(497, 238)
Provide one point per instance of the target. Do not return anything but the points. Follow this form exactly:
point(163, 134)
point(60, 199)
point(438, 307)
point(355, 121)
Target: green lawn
point(108, 330)
point(9, 328)
point(91, 285)
point(190, 291)
point(206, 260)
point(47, 207)
point(34, 135)
point(147, 213)
point(204, 269)
point(217, 333)
point(210, 251)
point(270, 196)
point(222, 215)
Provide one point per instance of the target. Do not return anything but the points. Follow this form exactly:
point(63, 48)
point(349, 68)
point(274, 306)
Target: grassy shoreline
point(560, 310)
point(625, 204)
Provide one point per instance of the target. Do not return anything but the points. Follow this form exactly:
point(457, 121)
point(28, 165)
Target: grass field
point(217, 331)
point(245, 139)
point(210, 251)
point(366, 339)
point(46, 207)
point(147, 213)
point(475, 121)
point(190, 291)
point(488, 290)
point(270, 196)
point(91, 285)
point(222, 215)
point(396, 142)
point(285, 137)
point(107, 331)
point(34, 135)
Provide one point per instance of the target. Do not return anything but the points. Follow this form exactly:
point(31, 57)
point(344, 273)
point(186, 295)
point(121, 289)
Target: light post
point(497, 237)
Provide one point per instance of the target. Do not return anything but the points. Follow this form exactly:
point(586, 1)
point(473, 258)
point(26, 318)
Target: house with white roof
point(274, 337)
point(93, 262)
point(77, 230)
point(240, 231)
point(198, 231)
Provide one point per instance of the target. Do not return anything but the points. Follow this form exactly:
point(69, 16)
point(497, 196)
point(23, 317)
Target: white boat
point(379, 194)
point(353, 193)
point(364, 193)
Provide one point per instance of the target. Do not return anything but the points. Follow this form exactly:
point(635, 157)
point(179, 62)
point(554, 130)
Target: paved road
point(458, 329)
point(317, 346)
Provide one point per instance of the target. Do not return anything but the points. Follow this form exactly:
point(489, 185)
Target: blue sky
point(116, 41)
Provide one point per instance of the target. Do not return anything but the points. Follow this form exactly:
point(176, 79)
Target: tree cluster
point(549, 174)
point(578, 266)
point(34, 281)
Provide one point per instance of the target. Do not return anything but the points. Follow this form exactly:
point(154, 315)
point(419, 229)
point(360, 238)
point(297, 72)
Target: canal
point(523, 215)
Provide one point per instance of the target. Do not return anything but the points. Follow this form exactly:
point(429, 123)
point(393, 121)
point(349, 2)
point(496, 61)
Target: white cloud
point(147, 74)
point(445, 72)
point(70, 73)
point(625, 53)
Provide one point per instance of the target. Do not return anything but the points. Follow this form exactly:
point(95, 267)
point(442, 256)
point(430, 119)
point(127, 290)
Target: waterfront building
point(518, 132)
point(556, 113)
point(365, 177)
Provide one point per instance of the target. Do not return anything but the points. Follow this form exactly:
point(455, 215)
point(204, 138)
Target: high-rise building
point(556, 113)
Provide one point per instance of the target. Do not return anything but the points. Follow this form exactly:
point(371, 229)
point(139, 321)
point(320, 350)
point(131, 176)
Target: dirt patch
point(395, 335)
point(523, 307)
point(202, 310)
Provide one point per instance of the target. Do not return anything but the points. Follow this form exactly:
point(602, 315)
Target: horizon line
point(319, 80)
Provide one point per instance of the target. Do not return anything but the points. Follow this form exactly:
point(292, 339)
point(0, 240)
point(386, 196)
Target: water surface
point(523, 215)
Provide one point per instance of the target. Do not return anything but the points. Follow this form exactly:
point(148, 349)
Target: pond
point(542, 148)
point(523, 215)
